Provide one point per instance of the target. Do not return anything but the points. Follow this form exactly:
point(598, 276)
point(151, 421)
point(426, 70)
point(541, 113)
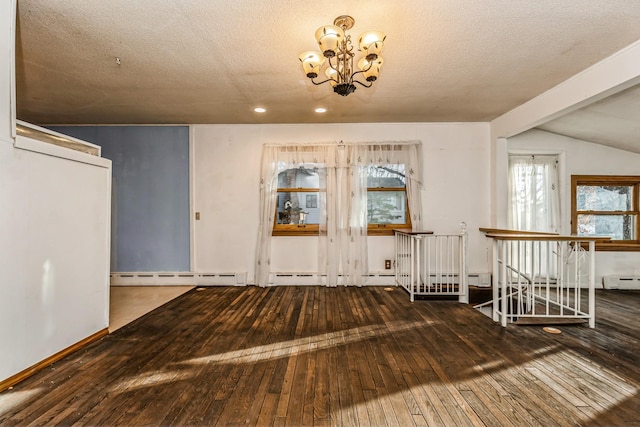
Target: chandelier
point(337, 51)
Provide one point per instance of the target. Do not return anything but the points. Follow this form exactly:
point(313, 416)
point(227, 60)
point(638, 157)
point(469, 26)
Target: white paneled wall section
point(54, 251)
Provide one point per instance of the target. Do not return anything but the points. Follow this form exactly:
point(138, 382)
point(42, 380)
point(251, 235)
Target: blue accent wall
point(150, 224)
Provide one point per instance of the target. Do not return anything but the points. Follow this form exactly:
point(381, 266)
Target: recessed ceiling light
point(260, 110)
point(321, 110)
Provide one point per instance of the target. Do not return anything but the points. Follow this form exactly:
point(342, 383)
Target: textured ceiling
point(211, 61)
point(614, 121)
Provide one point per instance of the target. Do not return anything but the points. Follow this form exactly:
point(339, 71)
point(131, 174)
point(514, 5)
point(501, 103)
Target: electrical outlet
point(387, 264)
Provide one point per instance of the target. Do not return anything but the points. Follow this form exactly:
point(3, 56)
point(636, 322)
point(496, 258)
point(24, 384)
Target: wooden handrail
point(547, 237)
point(506, 231)
point(412, 232)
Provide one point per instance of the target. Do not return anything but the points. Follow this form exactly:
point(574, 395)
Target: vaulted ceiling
point(212, 61)
point(613, 121)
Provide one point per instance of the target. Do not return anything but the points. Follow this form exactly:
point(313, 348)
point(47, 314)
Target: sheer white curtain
point(275, 159)
point(342, 240)
point(534, 203)
point(342, 243)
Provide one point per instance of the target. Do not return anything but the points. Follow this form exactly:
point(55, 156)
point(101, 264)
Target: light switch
point(197, 216)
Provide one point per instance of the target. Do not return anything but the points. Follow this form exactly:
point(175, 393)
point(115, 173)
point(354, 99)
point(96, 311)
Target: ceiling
point(614, 121)
point(212, 61)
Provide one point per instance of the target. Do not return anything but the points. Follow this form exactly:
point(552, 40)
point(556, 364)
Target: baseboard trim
point(20, 376)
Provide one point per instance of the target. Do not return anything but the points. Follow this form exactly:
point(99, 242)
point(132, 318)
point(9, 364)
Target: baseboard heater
point(621, 282)
point(379, 278)
point(177, 278)
point(313, 279)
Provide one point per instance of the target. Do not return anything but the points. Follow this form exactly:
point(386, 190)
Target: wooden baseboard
point(15, 379)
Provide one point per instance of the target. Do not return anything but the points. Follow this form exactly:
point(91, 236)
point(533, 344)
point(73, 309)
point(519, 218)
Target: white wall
point(7, 31)
point(225, 176)
point(585, 158)
point(54, 252)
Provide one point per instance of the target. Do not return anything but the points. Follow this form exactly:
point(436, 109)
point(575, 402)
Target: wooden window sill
point(618, 247)
point(380, 232)
point(295, 233)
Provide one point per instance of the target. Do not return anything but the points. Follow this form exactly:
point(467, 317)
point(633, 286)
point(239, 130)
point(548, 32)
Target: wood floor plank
point(392, 393)
point(486, 394)
point(566, 379)
point(448, 393)
point(510, 385)
point(268, 409)
point(308, 413)
point(376, 414)
point(321, 387)
point(342, 357)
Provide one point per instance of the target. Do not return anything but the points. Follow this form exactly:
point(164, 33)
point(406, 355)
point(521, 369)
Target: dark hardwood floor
point(340, 356)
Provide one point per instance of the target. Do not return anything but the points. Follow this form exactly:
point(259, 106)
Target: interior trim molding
point(20, 376)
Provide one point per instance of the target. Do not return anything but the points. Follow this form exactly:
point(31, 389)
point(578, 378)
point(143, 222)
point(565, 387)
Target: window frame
point(314, 229)
point(608, 180)
point(295, 229)
point(387, 229)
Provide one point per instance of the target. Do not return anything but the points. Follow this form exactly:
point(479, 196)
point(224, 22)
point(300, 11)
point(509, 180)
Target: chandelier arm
point(331, 65)
point(324, 81)
point(360, 83)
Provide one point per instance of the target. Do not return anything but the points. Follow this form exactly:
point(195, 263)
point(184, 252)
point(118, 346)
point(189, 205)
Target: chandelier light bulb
point(311, 63)
point(329, 38)
point(332, 75)
point(371, 43)
point(370, 69)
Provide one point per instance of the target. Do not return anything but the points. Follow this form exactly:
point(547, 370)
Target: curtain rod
point(340, 143)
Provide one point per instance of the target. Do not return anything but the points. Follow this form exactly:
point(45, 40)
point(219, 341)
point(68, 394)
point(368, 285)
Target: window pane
point(385, 176)
point(298, 208)
point(604, 198)
point(386, 207)
point(302, 177)
point(618, 227)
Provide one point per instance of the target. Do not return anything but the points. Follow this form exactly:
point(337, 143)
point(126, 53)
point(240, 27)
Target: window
point(534, 204)
point(298, 211)
point(312, 200)
point(533, 193)
point(606, 206)
point(340, 193)
point(386, 199)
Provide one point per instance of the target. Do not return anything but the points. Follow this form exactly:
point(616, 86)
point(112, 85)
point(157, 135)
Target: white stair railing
point(430, 264)
point(543, 276)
